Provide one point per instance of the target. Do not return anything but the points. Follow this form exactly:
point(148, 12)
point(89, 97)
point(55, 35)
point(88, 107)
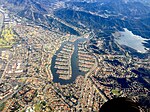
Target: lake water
point(134, 41)
point(74, 64)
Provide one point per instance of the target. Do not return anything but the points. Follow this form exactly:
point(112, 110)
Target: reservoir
point(127, 38)
point(74, 64)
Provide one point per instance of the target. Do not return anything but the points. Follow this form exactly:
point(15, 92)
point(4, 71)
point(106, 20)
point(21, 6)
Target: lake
point(74, 64)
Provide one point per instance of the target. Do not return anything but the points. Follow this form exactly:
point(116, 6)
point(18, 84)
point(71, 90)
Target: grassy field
point(7, 38)
point(116, 92)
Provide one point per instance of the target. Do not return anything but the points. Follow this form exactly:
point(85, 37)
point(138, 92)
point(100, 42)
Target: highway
point(1, 21)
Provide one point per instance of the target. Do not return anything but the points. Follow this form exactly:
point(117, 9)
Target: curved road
point(89, 73)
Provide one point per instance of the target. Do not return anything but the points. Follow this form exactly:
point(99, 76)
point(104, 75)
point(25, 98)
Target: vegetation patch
point(116, 92)
point(2, 105)
point(7, 38)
